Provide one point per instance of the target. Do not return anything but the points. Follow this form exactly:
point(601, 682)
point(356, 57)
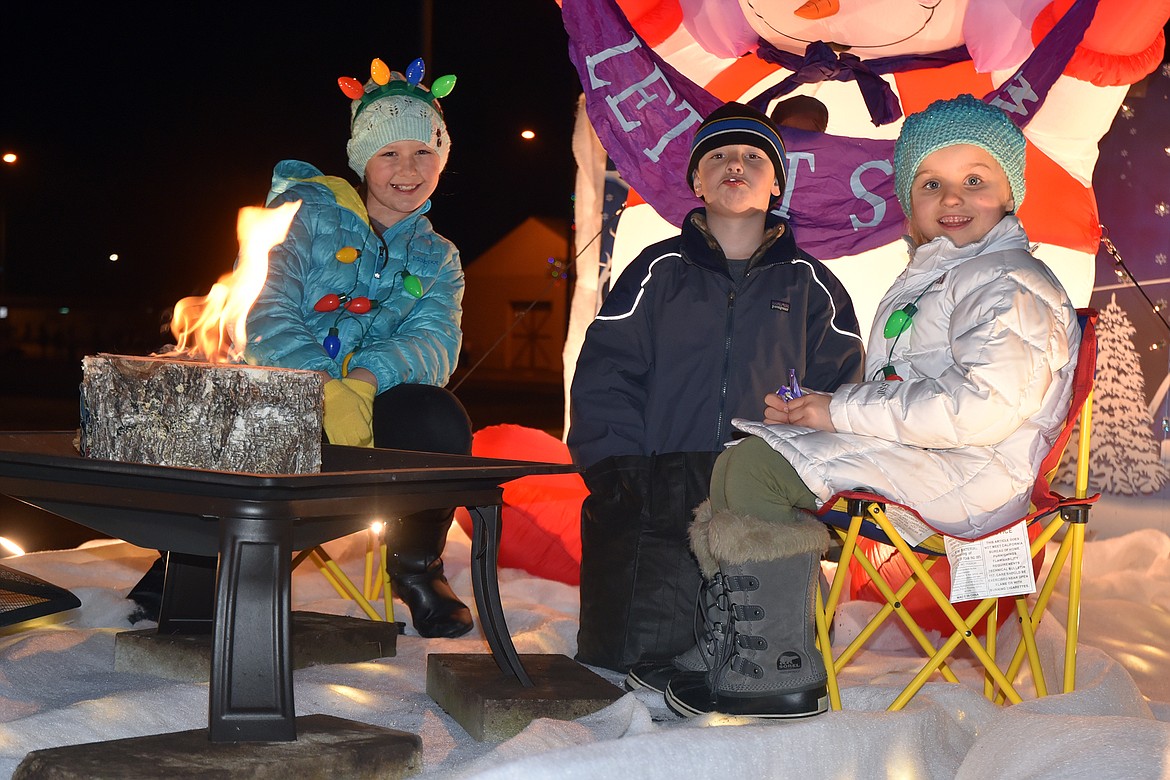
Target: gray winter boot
point(766, 665)
point(710, 618)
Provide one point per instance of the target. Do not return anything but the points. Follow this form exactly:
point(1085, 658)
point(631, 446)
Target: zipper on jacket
point(726, 368)
point(383, 256)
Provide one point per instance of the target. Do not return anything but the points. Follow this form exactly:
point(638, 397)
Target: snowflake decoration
point(1125, 152)
point(1162, 209)
point(1160, 258)
point(1126, 111)
point(1166, 69)
point(1167, 151)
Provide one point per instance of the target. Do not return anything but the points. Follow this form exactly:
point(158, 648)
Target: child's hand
point(349, 412)
point(810, 410)
point(775, 409)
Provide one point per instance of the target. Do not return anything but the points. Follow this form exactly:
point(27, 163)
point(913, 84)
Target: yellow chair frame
point(867, 517)
point(377, 578)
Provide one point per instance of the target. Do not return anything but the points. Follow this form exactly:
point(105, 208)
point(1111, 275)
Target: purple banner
point(1022, 95)
point(839, 192)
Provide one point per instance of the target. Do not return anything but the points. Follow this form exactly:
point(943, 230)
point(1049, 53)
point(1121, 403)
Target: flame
point(213, 327)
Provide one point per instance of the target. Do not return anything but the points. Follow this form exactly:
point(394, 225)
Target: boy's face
point(736, 179)
point(959, 192)
point(399, 178)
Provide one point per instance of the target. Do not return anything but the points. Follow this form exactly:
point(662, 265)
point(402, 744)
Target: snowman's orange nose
point(818, 9)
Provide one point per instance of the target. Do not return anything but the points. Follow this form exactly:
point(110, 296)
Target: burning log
point(221, 416)
point(198, 406)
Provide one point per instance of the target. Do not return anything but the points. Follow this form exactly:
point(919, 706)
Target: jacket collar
point(941, 253)
point(700, 248)
point(401, 224)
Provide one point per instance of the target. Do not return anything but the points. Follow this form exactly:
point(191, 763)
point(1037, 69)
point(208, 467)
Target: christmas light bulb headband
point(387, 82)
point(392, 107)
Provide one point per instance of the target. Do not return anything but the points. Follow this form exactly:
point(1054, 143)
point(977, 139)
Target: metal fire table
point(253, 523)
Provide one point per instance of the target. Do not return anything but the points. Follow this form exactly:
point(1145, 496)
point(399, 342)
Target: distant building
point(515, 309)
point(43, 328)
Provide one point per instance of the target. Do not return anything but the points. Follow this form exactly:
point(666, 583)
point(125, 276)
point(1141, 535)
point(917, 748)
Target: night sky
point(142, 132)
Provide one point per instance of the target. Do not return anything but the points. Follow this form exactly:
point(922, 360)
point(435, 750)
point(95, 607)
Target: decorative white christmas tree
point(1124, 457)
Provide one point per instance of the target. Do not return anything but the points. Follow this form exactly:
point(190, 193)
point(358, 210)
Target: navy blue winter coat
point(679, 348)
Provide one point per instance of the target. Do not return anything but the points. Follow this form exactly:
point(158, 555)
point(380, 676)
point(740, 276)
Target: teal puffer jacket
point(400, 339)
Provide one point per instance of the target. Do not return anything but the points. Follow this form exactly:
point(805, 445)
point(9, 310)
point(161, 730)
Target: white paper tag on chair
point(998, 565)
point(909, 525)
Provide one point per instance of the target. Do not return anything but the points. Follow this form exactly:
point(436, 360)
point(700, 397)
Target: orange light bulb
point(379, 72)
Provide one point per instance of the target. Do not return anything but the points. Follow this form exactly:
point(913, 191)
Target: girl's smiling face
point(959, 192)
point(400, 177)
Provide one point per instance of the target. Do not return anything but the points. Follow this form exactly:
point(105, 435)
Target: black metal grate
point(25, 597)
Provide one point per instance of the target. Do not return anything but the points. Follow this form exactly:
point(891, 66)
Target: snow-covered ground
point(58, 685)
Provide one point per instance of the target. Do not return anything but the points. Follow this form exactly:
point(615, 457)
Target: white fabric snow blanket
point(58, 687)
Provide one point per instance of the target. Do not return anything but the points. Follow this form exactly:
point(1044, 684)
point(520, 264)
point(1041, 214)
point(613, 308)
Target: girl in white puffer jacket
point(968, 379)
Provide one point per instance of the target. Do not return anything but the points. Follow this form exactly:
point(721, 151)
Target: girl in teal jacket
point(364, 291)
point(344, 295)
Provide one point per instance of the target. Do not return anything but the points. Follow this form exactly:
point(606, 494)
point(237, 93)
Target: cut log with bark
point(221, 416)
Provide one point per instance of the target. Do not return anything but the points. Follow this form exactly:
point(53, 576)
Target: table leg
point(251, 692)
point(487, 524)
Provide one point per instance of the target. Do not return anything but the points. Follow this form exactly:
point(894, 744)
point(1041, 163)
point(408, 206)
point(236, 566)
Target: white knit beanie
point(396, 116)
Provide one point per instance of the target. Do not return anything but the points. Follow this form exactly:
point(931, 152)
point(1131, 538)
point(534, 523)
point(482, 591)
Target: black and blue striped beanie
point(735, 123)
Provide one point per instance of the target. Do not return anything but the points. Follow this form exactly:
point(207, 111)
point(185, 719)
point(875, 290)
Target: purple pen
point(796, 391)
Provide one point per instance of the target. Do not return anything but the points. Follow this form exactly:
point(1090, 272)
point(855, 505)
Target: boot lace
point(711, 598)
point(726, 650)
point(719, 636)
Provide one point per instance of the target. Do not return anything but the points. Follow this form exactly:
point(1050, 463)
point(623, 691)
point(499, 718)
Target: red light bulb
point(328, 302)
point(359, 305)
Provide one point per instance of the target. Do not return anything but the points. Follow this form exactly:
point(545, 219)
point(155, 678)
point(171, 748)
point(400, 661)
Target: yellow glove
point(349, 412)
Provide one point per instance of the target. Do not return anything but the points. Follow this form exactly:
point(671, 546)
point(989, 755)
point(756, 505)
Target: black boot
point(710, 619)
point(415, 546)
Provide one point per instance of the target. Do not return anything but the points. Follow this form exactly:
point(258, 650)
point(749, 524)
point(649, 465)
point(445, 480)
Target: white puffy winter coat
point(987, 370)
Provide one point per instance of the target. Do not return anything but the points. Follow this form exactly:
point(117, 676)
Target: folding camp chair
point(853, 515)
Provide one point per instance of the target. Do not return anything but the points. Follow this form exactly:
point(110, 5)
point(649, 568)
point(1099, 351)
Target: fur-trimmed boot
point(710, 618)
point(767, 664)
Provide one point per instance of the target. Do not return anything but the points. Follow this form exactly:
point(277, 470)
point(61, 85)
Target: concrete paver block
point(316, 639)
point(491, 705)
point(326, 747)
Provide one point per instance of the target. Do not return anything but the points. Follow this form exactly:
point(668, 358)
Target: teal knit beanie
point(961, 120)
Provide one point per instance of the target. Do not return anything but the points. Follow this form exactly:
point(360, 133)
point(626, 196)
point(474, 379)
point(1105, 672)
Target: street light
point(9, 159)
